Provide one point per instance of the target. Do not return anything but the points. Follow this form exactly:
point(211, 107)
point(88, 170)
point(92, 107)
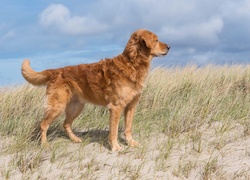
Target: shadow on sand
point(93, 135)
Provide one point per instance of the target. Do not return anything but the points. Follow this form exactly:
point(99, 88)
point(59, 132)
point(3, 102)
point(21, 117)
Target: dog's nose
point(168, 46)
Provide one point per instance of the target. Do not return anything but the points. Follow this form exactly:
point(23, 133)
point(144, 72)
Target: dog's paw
point(116, 147)
point(133, 143)
point(45, 145)
point(76, 139)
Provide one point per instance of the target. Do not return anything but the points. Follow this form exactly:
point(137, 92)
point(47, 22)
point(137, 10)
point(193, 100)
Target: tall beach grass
point(176, 103)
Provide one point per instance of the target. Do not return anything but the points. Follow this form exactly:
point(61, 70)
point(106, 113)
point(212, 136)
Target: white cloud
point(10, 34)
point(236, 9)
point(59, 17)
point(5, 33)
point(204, 33)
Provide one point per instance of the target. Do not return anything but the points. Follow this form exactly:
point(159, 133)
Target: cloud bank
point(59, 18)
point(205, 33)
point(193, 28)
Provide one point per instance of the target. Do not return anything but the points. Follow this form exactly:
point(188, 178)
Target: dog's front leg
point(115, 113)
point(129, 116)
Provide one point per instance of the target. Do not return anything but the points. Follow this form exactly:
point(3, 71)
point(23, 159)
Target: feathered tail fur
point(33, 77)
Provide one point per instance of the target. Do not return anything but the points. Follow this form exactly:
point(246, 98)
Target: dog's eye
point(156, 40)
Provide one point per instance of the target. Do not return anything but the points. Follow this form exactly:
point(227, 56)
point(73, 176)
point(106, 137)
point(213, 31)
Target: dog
point(116, 83)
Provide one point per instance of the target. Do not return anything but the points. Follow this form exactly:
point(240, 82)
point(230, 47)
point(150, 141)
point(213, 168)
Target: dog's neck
point(137, 68)
point(138, 58)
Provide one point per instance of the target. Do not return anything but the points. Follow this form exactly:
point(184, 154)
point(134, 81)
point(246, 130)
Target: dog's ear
point(132, 46)
point(148, 40)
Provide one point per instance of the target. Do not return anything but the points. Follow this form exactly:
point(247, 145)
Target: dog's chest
point(126, 93)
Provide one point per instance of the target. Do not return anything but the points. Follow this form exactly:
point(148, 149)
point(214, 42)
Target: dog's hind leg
point(73, 109)
point(56, 104)
point(51, 113)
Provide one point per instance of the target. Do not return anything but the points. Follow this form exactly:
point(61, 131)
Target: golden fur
point(116, 83)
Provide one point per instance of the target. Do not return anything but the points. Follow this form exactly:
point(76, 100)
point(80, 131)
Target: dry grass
point(193, 123)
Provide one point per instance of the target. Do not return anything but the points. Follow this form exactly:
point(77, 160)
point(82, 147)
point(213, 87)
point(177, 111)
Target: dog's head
point(145, 43)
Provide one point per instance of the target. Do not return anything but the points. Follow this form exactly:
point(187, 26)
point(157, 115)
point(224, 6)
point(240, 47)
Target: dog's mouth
point(162, 53)
point(165, 52)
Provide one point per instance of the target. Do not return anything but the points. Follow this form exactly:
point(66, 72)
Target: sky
point(59, 33)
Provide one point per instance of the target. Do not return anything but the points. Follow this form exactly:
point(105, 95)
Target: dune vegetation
point(192, 123)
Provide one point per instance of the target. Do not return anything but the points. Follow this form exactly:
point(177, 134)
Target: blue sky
point(59, 33)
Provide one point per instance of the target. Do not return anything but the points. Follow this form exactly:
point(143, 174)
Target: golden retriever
point(116, 83)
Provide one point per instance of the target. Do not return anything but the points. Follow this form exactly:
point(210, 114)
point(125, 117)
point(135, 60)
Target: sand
point(212, 154)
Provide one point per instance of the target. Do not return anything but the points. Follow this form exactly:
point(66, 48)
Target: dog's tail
point(33, 77)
